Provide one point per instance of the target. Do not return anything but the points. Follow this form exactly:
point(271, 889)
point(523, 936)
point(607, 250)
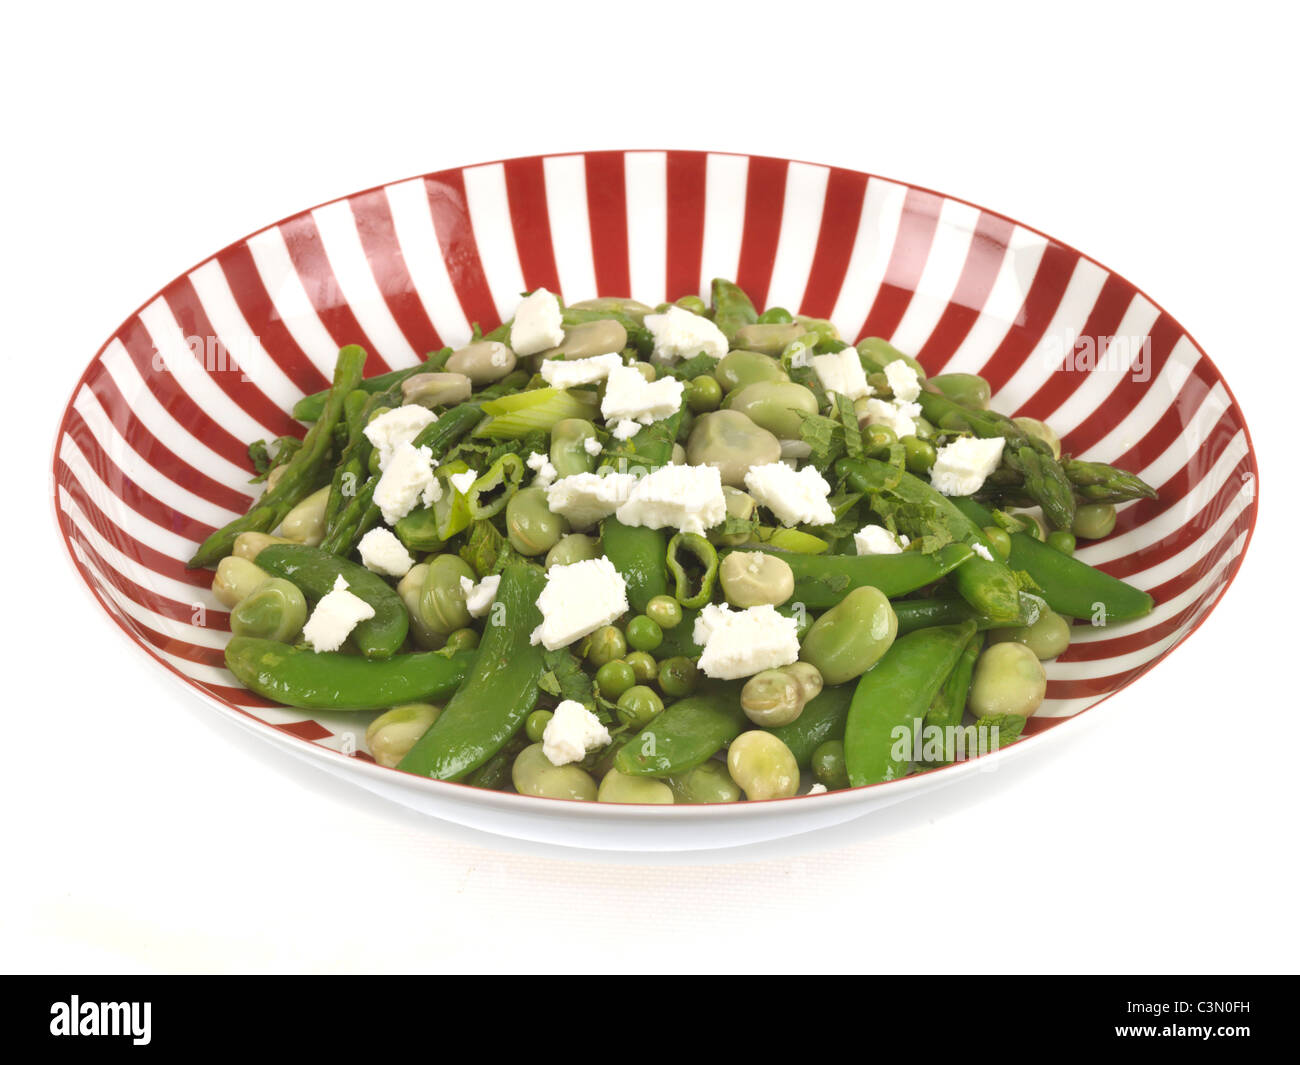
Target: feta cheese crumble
point(479, 597)
point(572, 732)
point(962, 466)
point(625, 430)
point(899, 415)
point(903, 380)
point(335, 616)
point(538, 324)
point(740, 643)
point(688, 498)
point(463, 482)
point(396, 427)
point(982, 551)
point(817, 789)
point(408, 480)
point(584, 498)
point(679, 334)
point(877, 540)
point(568, 373)
point(382, 552)
point(629, 396)
point(842, 372)
point(542, 466)
point(795, 498)
point(577, 600)
point(592, 446)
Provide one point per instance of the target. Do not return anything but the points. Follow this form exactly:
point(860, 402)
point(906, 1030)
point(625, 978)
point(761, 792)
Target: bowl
point(151, 454)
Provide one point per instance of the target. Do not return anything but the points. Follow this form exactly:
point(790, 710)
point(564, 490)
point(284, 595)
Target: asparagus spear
point(1098, 483)
point(304, 473)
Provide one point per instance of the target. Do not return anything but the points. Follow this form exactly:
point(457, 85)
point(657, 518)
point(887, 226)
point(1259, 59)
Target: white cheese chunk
point(679, 334)
point(877, 540)
point(463, 482)
point(408, 480)
point(903, 380)
point(577, 600)
point(625, 429)
point(592, 446)
point(572, 732)
point(962, 466)
point(629, 396)
point(479, 597)
point(740, 643)
point(817, 789)
point(398, 426)
point(538, 324)
point(982, 551)
point(897, 414)
point(335, 616)
point(585, 498)
point(688, 498)
point(842, 372)
point(382, 552)
point(796, 498)
point(542, 466)
point(569, 373)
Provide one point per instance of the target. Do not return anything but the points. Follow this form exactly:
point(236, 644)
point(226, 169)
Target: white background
point(143, 833)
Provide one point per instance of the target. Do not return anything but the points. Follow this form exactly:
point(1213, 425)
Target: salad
point(685, 554)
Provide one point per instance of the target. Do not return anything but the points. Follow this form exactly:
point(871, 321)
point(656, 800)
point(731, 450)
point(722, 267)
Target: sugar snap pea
point(732, 309)
point(686, 734)
point(500, 689)
point(314, 571)
point(332, 680)
point(822, 719)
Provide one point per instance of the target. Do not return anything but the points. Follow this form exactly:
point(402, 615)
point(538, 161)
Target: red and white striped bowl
point(152, 451)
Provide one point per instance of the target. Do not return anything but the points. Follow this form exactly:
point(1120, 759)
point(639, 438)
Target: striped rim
point(151, 452)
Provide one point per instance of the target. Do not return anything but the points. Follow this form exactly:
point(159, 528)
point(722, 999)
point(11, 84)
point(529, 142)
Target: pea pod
point(705, 557)
point(891, 701)
point(732, 309)
point(916, 614)
point(494, 774)
point(821, 581)
point(686, 734)
point(1071, 587)
point(500, 689)
point(331, 680)
point(950, 704)
point(314, 571)
point(822, 719)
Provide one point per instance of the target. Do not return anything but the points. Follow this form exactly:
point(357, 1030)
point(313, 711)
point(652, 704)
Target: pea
point(709, 782)
point(531, 526)
point(763, 766)
point(703, 394)
point(1092, 521)
point(730, 441)
point(1062, 540)
point(462, 640)
point(622, 787)
point(277, 610)
point(605, 645)
point(1043, 432)
point(919, 454)
point(876, 438)
point(533, 774)
point(664, 611)
point(1047, 637)
point(828, 764)
point(535, 724)
point(775, 316)
point(999, 539)
point(678, 676)
point(639, 705)
point(851, 637)
point(1008, 679)
point(780, 407)
point(644, 667)
point(568, 451)
point(575, 547)
point(393, 733)
point(613, 679)
point(968, 389)
point(755, 578)
point(643, 634)
point(772, 698)
point(484, 362)
point(738, 369)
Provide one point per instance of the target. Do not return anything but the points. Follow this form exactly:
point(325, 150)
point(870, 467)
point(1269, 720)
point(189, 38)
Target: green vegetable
point(891, 701)
point(276, 610)
point(763, 766)
point(1008, 679)
point(619, 787)
point(851, 637)
point(828, 765)
point(500, 690)
point(732, 309)
point(295, 676)
point(394, 732)
point(315, 571)
point(822, 719)
point(533, 774)
point(638, 706)
point(643, 633)
point(950, 703)
point(515, 416)
point(694, 588)
point(688, 732)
